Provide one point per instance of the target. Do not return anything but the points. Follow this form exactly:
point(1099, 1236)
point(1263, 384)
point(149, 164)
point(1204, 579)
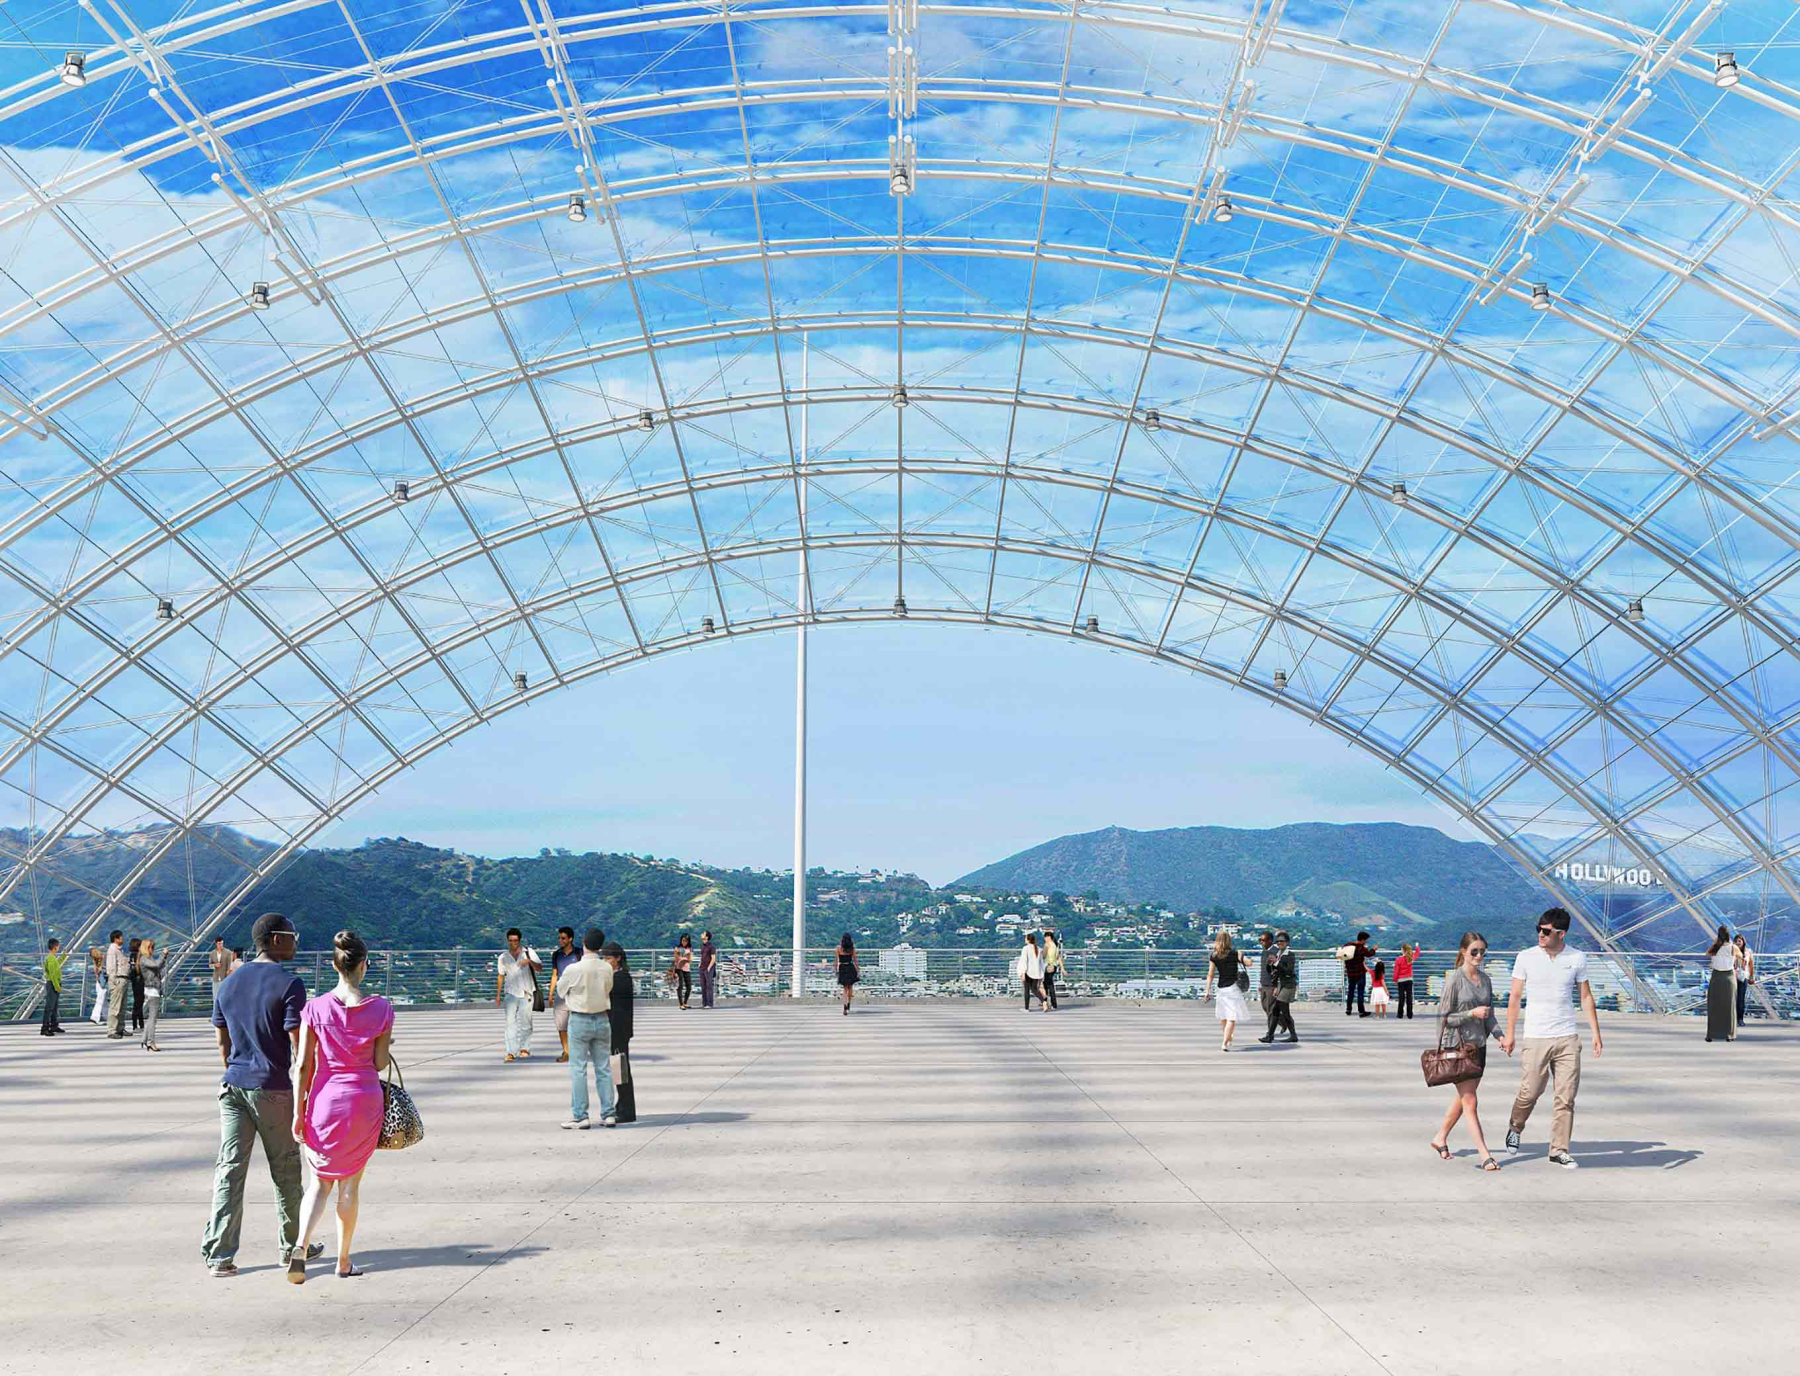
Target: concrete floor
point(928, 1187)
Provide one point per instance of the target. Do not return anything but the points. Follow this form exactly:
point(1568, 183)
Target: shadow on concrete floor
point(448, 1254)
point(1614, 1155)
point(658, 1120)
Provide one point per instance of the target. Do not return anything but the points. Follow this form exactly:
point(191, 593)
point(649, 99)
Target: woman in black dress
point(137, 987)
point(619, 1015)
point(846, 974)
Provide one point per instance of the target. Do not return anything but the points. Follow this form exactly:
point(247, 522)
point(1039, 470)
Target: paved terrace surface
point(928, 1187)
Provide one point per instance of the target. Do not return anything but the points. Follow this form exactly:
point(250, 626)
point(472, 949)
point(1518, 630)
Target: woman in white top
point(1746, 972)
point(1031, 971)
point(1721, 989)
point(1225, 964)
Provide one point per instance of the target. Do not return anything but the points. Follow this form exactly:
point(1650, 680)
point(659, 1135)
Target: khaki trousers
point(1541, 1059)
point(115, 1012)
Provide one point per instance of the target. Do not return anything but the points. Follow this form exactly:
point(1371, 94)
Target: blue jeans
point(590, 1041)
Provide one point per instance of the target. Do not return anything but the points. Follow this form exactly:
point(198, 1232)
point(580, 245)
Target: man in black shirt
point(1356, 971)
point(565, 955)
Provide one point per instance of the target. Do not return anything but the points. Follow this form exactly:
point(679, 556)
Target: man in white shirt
point(586, 986)
point(118, 980)
point(518, 969)
point(1549, 976)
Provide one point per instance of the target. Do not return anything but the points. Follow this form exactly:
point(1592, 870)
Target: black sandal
point(1488, 1164)
point(346, 1275)
point(1443, 1151)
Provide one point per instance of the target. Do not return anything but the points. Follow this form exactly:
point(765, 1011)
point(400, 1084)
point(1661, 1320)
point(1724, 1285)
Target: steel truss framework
point(1200, 332)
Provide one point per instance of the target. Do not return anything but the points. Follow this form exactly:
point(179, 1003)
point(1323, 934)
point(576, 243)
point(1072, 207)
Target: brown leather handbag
point(1446, 1065)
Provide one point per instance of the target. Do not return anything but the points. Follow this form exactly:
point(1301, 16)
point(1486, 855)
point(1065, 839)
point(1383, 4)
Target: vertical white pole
point(799, 983)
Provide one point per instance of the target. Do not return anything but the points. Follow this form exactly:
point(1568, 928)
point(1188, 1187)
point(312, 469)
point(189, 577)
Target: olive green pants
point(244, 1116)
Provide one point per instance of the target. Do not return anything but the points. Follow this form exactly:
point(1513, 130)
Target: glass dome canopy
point(1428, 369)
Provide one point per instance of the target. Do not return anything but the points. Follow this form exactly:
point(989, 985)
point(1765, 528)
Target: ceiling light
point(519, 681)
point(706, 625)
point(577, 210)
point(900, 607)
point(1725, 71)
point(1223, 212)
point(646, 420)
point(1397, 490)
point(1540, 296)
point(259, 296)
point(1280, 679)
point(1152, 421)
point(165, 609)
point(73, 71)
point(1093, 625)
point(402, 490)
point(1634, 611)
point(900, 183)
point(901, 400)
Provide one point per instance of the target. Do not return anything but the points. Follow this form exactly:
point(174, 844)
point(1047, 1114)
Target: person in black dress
point(137, 987)
point(619, 1015)
point(846, 972)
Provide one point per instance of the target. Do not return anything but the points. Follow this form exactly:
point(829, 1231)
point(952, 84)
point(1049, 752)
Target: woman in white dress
point(1224, 966)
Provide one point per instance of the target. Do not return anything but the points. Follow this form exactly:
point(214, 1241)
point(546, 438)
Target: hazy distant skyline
point(934, 749)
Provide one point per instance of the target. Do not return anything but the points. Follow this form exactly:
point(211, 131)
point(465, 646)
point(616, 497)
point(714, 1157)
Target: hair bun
point(348, 951)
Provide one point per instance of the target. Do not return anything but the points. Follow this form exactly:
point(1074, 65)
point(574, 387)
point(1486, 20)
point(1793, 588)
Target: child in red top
point(1378, 994)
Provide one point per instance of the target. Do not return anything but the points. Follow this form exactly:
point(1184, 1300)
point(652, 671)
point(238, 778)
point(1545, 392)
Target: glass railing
point(1674, 983)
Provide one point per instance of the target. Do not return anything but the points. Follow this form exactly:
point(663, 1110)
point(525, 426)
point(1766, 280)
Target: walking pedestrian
point(709, 969)
point(847, 973)
point(257, 1018)
point(518, 966)
point(588, 988)
point(219, 962)
point(1746, 973)
point(681, 965)
point(1053, 966)
point(132, 948)
point(346, 1041)
point(1549, 976)
point(118, 983)
point(565, 955)
point(1356, 974)
point(150, 966)
point(1225, 965)
point(1378, 992)
point(1287, 989)
point(618, 1015)
point(53, 972)
point(1031, 971)
point(1721, 988)
point(97, 958)
point(1403, 980)
point(1466, 1017)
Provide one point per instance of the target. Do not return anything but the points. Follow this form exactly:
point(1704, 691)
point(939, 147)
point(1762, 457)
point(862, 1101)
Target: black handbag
point(401, 1125)
point(537, 991)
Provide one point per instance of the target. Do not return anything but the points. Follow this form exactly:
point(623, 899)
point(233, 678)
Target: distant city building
point(904, 961)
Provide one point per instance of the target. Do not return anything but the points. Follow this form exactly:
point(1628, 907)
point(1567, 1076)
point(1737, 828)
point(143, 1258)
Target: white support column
point(799, 983)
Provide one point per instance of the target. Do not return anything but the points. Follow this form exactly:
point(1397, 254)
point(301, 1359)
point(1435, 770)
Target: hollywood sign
point(1585, 873)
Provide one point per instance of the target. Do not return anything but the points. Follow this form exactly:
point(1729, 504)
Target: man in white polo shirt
point(1549, 976)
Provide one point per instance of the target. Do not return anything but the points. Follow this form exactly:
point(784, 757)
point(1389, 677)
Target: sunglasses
point(1546, 931)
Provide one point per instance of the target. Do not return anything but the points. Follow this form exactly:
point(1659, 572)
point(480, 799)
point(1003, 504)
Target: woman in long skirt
point(1721, 989)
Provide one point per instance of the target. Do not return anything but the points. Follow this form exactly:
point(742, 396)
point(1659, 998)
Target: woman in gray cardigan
point(149, 965)
point(1466, 1017)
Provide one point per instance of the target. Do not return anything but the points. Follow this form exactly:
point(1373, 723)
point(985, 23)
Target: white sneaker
point(578, 1124)
point(607, 1122)
point(1563, 1159)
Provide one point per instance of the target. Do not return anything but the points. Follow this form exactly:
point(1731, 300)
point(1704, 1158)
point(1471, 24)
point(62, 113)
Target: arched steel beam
point(1619, 829)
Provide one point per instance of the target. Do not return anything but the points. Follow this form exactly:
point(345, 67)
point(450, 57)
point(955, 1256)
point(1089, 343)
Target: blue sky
point(934, 748)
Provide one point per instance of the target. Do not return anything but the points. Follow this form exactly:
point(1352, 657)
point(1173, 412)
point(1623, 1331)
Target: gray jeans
point(244, 1116)
point(152, 1006)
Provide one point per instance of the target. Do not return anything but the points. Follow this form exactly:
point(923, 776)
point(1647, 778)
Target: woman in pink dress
point(344, 1040)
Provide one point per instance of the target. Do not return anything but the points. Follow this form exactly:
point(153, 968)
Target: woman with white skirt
point(1224, 966)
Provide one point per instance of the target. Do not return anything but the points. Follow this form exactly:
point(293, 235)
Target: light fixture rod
point(1676, 50)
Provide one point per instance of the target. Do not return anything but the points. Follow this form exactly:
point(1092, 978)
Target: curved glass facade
point(1428, 369)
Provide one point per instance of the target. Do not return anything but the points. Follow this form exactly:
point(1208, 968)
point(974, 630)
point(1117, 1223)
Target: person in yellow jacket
point(1053, 966)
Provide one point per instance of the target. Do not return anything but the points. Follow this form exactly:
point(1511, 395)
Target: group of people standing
point(1365, 979)
point(590, 993)
point(127, 983)
point(1733, 970)
point(1040, 964)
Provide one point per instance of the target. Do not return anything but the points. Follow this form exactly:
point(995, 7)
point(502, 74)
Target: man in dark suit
point(1265, 984)
point(1285, 980)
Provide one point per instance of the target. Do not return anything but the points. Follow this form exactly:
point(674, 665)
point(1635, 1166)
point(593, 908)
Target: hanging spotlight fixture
point(1223, 212)
point(577, 210)
point(901, 400)
point(1540, 296)
point(259, 296)
point(1280, 680)
point(900, 607)
point(1152, 421)
point(1093, 625)
point(1725, 71)
point(165, 609)
point(706, 625)
point(402, 490)
point(1397, 490)
point(519, 681)
point(73, 71)
point(646, 421)
point(1634, 611)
